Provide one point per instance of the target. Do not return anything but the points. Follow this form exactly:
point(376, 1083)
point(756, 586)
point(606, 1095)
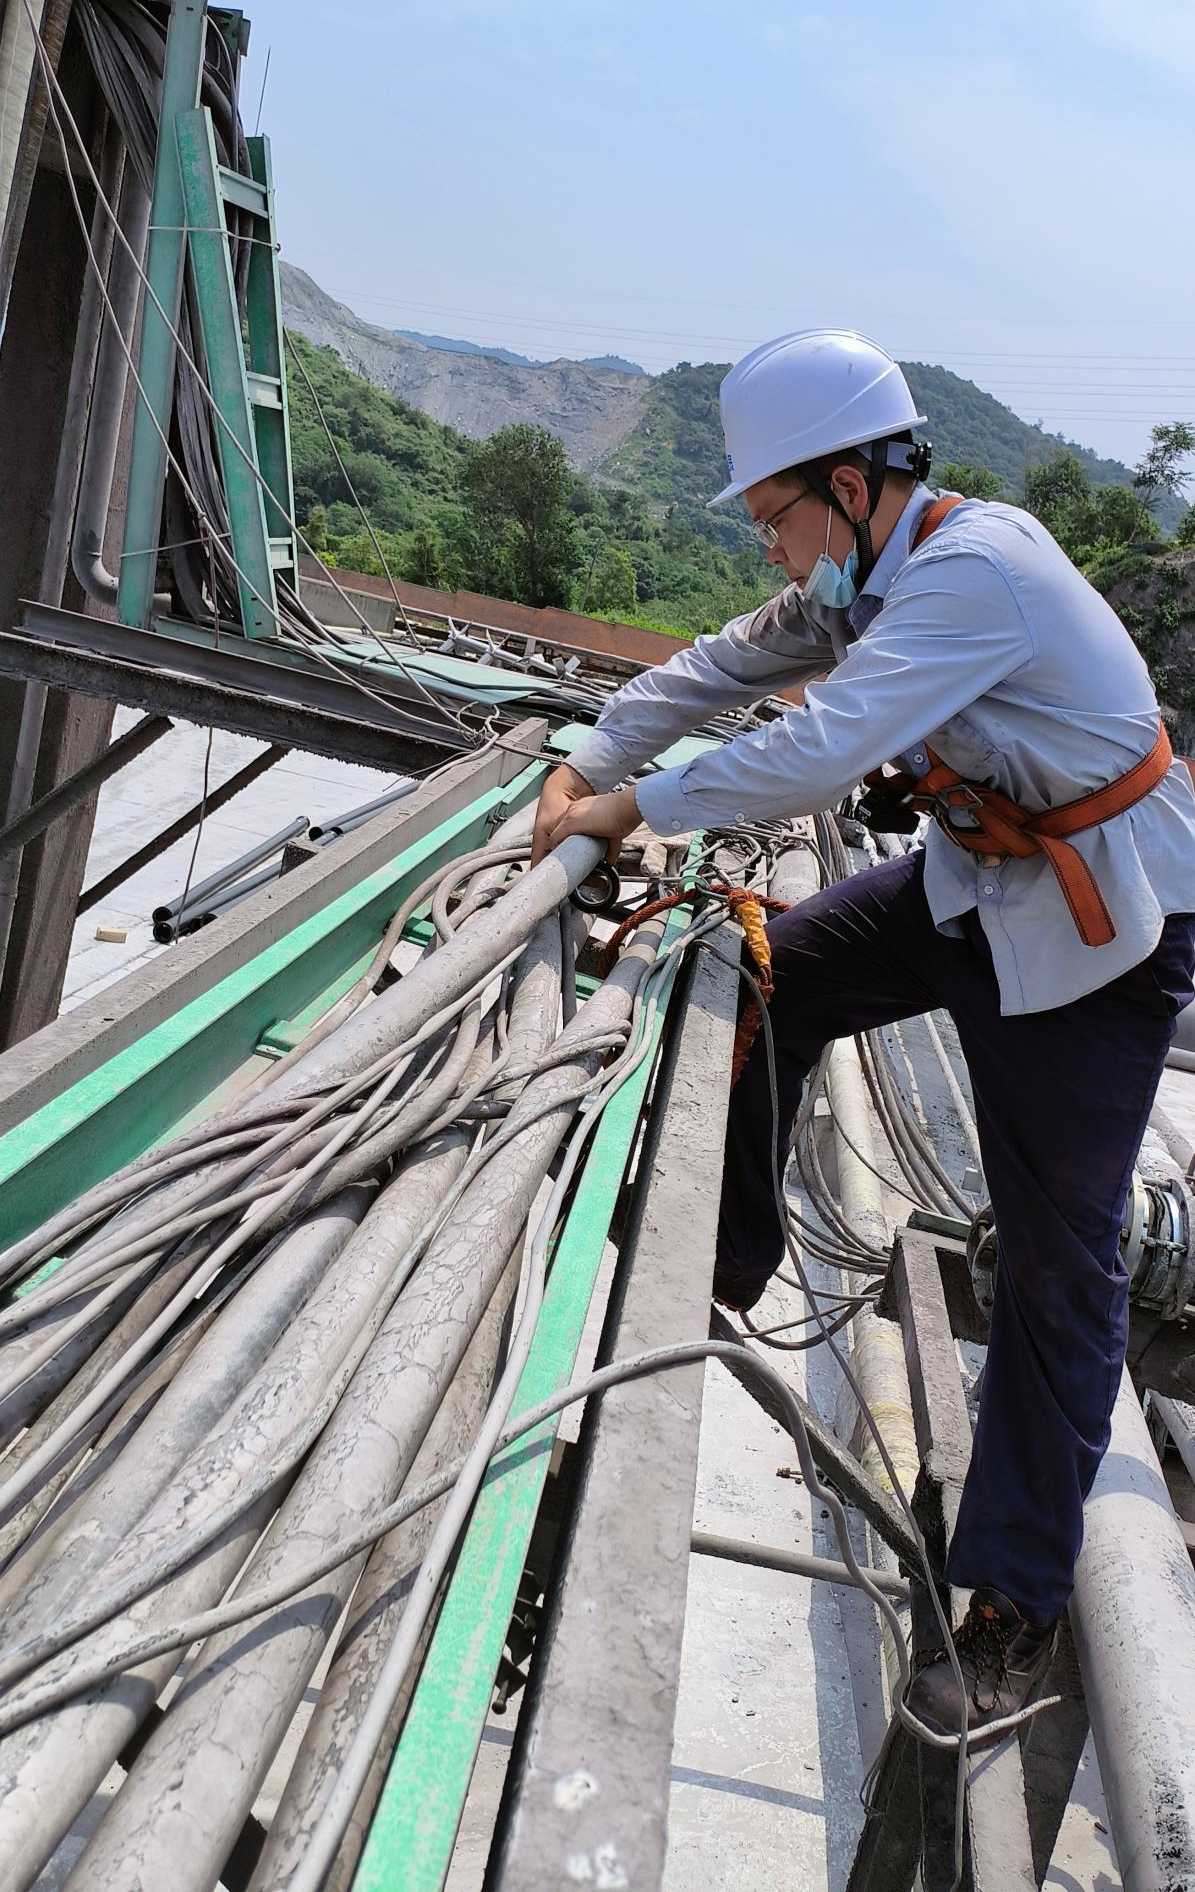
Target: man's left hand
point(608, 817)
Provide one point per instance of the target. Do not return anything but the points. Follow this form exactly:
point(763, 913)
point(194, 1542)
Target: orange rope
point(611, 949)
point(748, 909)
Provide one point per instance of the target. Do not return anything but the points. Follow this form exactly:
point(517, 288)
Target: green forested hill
point(676, 450)
point(638, 542)
point(623, 553)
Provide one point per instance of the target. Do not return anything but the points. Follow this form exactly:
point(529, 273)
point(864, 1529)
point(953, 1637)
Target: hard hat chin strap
point(884, 456)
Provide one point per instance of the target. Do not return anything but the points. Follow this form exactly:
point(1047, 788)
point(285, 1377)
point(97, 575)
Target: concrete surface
point(158, 787)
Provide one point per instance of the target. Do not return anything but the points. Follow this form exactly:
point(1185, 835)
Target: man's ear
point(850, 488)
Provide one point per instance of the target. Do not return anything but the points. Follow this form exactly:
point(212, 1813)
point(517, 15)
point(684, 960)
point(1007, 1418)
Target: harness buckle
point(964, 796)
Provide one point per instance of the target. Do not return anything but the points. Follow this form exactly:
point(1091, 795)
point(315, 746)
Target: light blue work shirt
point(986, 643)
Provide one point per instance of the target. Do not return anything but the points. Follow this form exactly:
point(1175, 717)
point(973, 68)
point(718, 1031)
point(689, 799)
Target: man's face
point(800, 519)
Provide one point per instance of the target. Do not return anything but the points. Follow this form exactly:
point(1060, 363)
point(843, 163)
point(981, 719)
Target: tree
point(316, 529)
point(612, 587)
point(1123, 516)
point(1185, 534)
point(1161, 466)
point(424, 563)
point(519, 485)
point(1055, 486)
point(972, 481)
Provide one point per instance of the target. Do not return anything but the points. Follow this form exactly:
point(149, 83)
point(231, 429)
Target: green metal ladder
point(245, 362)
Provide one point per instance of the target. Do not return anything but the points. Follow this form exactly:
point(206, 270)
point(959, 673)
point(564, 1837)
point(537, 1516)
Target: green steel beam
point(223, 346)
point(414, 1829)
point(271, 421)
point(156, 362)
point(137, 1097)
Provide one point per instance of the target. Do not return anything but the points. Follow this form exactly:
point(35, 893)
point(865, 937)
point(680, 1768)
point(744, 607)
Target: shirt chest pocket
point(964, 747)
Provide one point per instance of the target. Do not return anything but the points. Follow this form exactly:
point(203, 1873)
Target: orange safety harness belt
point(1002, 828)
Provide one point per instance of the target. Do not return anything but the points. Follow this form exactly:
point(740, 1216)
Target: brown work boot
point(1003, 1659)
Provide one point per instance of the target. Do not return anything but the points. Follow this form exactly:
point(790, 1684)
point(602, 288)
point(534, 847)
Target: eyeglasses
point(765, 529)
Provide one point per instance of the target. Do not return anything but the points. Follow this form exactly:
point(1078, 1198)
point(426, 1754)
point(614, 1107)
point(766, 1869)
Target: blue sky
point(1005, 189)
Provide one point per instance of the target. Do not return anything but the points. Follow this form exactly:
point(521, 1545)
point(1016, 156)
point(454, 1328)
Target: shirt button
point(740, 816)
point(989, 888)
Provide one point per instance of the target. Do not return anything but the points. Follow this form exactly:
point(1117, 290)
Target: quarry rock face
point(590, 409)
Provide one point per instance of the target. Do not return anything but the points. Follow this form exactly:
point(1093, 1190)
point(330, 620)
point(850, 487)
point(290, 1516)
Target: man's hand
point(563, 787)
point(608, 817)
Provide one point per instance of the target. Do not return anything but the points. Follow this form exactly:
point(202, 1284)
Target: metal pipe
point(1133, 1614)
point(218, 798)
point(260, 851)
point(193, 917)
point(355, 816)
point(77, 787)
point(795, 1563)
point(108, 399)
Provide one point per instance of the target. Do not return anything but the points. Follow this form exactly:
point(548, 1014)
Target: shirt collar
point(896, 549)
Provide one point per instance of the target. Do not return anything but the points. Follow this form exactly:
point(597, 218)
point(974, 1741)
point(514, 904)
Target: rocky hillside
point(658, 434)
point(590, 409)
point(1154, 597)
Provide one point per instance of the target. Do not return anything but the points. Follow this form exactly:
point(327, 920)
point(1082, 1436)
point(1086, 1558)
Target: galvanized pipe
point(99, 890)
point(260, 851)
point(353, 817)
point(795, 1563)
point(192, 918)
point(94, 509)
point(1133, 1615)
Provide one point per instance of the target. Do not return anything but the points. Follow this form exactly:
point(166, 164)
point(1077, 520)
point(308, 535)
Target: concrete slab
point(153, 791)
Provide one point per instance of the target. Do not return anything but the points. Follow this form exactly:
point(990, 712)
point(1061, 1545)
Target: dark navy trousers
point(1062, 1099)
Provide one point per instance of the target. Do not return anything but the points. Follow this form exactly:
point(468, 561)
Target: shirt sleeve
point(948, 633)
point(766, 650)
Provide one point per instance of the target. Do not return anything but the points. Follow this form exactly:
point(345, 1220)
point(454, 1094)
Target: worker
point(956, 640)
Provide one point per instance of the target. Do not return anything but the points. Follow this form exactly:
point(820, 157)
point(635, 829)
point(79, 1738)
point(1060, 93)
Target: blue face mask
point(829, 585)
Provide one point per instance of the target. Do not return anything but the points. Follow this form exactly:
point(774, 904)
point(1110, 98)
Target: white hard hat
point(815, 392)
